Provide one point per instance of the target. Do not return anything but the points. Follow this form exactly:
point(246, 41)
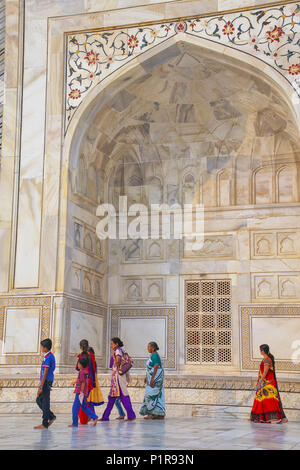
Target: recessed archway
point(179, 125)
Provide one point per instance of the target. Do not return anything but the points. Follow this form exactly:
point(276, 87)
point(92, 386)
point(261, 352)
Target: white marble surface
point(179, 129)
point(22, 330)
point(217, 431)
point(86, 326)
point(280, 333)
point(136, 333)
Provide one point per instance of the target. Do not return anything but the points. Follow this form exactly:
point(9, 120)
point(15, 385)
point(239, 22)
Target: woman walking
point(153, 406)
point(267, 407)
point(84, 346)
point(118, 383)
point(95, 397)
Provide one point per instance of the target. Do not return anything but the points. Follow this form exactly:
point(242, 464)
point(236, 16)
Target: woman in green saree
point(153, 406)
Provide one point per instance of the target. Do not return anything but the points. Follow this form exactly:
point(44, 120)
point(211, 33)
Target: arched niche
point(182, 101)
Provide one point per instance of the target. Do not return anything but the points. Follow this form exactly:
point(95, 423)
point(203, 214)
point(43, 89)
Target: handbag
point(126, 363)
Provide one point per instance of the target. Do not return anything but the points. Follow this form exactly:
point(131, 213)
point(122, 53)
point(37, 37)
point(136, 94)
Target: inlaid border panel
point(247, 312)
point(169, 313)
point(45, 321)
point(270, 35)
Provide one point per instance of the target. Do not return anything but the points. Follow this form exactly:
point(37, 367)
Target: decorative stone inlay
point(247, 312)
point(271, 35)
point(147, 313)
point(171, 382)
point(45, 316)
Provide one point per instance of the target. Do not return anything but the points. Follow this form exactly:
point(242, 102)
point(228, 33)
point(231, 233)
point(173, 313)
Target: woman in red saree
point(267, 406)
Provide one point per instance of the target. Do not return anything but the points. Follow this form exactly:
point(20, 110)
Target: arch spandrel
point(267, 38)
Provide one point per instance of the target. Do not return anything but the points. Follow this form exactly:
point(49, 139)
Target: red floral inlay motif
point(75, 94)
point(294, 69)
point(133, 41)
point(228, 28)
point(275, 34)
point(91, 57)
point(180, 27)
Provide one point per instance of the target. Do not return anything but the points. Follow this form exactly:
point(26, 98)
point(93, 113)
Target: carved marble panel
point(275, 244)
point(214, 246)
point(133, 290)
point(86, 240)
point(87, 281)
point(275, 286)
point(288, 244)
point(143, 289)
point(134, 251)
point(154, 250)
point(265, 287)
point(264, 244)
point(153, 289)
point(76, 277)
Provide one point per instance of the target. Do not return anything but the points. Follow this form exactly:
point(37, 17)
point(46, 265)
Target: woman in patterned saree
point(153, 406)
point(118, 383)
point(267, 407)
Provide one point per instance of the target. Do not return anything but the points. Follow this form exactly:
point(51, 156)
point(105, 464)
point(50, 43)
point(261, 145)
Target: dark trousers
point(43, 401)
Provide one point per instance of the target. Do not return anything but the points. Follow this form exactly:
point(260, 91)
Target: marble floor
point(16, 432)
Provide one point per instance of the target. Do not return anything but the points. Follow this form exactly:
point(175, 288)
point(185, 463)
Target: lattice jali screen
point(208, 334)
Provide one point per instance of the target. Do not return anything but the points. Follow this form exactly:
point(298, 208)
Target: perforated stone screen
point(208, 333)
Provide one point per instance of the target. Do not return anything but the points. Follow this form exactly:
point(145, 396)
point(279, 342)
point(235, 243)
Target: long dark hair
point(266, 349)
point(117, 341)
point(84, 344)
point(91, 350)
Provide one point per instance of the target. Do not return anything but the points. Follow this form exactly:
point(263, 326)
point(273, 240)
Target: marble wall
point(22, 330)
point(2, 51)
point(220, 127)
point(180, 146)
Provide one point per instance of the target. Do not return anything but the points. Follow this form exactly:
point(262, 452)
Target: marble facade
point(183, 101)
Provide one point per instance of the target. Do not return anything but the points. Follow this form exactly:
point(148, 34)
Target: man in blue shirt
point(46, 380)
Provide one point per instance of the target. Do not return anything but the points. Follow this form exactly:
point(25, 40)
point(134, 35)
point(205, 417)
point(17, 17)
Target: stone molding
point(171, 382)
